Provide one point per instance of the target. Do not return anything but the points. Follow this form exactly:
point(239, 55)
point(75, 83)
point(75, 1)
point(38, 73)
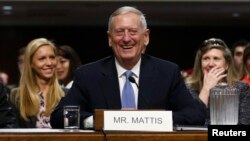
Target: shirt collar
point(135, 69)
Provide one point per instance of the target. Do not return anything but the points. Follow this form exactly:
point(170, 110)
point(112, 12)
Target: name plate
point(159, 121)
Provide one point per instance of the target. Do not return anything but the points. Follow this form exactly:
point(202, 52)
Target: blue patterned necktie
point(128, 96)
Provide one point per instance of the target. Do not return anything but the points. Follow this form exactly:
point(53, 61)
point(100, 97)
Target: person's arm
point(73, 97)
point(187, 110)
point(7, 115)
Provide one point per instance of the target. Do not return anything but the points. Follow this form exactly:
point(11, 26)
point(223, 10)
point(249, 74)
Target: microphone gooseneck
point(132, 80)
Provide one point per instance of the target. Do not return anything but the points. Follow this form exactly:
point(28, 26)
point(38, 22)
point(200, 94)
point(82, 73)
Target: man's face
point(20, 62)
point(127, 37)
point(238, 55)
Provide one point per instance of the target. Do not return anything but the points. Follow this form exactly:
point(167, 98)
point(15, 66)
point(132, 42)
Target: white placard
point(158, 121)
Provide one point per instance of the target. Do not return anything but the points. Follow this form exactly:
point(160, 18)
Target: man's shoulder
point(159, 61)
point(97, 66)
point(97, 63)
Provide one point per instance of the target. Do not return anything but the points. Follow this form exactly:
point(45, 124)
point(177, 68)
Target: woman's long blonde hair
point(29, 101)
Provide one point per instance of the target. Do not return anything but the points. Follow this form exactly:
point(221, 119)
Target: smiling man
point(156, 83)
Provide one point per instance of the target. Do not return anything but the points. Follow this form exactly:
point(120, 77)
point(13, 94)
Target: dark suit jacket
point(7, 115)
point(161, 86)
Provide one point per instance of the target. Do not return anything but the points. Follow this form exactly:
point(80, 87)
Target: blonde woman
point(39, 91)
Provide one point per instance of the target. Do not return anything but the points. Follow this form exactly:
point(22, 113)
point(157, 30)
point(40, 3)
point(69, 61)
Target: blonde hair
point(29, 102)
point(196, 79)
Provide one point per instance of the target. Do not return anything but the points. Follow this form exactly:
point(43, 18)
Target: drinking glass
point(71, 117)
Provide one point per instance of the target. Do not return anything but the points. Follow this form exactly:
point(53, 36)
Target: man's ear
point(109, 39)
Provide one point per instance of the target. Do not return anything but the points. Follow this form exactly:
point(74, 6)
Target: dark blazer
point(7, 115)
point(96, 86)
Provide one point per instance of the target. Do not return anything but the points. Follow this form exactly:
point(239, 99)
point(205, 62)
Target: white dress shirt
point(122, 78)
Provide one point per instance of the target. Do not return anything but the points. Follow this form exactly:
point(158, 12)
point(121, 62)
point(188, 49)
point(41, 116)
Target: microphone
point(132, 80)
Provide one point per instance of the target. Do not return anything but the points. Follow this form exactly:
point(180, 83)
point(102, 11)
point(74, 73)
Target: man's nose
point(126, 36)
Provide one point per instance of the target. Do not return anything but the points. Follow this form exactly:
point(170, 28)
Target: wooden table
point(151, 136)
point(90, 135)
point(49, 135)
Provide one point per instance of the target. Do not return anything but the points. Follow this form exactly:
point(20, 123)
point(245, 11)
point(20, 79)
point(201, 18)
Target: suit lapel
point(110, 85)
point(146, 83)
